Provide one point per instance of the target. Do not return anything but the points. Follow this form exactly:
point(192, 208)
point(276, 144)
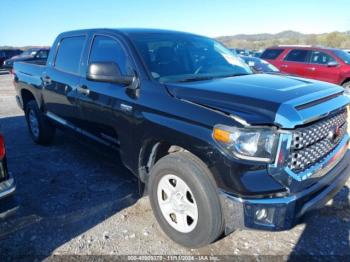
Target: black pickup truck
point(217, 147)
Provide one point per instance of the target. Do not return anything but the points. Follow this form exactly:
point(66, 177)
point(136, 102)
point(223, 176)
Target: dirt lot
point(76, 199)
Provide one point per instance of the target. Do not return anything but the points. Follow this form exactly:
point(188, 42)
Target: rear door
point(102, 103)
point(62, 78)
point(296, 62)
point(320, 70)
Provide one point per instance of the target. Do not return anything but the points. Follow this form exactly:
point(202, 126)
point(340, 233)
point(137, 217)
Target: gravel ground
point(77, 199)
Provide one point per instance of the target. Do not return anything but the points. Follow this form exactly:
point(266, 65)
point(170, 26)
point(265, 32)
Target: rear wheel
point(40, 129)
point(185, 201)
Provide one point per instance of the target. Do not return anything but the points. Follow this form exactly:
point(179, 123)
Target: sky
point(37, 22)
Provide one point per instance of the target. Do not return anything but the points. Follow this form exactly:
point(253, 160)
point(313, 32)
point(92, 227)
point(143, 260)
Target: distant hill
point(261, 41)
point(22, 47)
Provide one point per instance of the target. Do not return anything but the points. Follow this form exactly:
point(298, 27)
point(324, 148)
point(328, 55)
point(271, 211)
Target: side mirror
point(332, 64)
point(107, 72)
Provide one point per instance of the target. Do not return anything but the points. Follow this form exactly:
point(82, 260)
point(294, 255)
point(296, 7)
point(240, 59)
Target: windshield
point(175, 57)
point(260, 65)
point(343, 56)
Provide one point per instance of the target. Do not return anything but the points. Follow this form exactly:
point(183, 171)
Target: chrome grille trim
point(323, 167)
point(313, 143)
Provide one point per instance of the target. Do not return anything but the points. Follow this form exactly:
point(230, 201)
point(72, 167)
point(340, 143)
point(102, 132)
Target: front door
point(319, 68)
point(106, 107)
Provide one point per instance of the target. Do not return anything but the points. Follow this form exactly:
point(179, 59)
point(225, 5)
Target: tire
point(346, 85)
point(40, 129)
point(197, 205)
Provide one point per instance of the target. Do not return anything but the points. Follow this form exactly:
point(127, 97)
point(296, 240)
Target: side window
point(106, 49)
point(297, 55)
point(321, 58)
point(42, 54)
point(69, 54)
point(271, 53)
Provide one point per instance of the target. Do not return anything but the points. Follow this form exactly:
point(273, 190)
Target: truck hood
point(264, 99)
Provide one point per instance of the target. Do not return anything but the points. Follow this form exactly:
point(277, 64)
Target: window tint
point(297, 55)
point(321, 58)
point(343, 56)
point(106, 49)
point(271, 53)
point(69, 53)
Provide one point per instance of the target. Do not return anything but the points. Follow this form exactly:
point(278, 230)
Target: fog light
point(261, 214)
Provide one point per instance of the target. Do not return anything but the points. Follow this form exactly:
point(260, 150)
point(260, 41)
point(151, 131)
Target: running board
point(65, 123)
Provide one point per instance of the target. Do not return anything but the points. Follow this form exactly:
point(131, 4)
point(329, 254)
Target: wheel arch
point(154, 150)
point(151, 152)
point(26, 96)
point(347, 80)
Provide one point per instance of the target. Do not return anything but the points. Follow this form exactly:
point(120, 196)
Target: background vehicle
point(320, 63)
point(7, 184)
point(8, 53)
point(244, 52)
point(256, 53)
point(217, 147)
point(39, 55)
point(259, 65)
point(234, 51)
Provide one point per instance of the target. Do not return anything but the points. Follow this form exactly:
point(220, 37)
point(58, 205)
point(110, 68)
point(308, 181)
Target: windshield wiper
point(202, 78)
point(232, 75)
point(198, 78)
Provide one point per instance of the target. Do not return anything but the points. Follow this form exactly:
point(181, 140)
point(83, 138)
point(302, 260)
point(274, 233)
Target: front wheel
point(347, 86)
point(185, 200)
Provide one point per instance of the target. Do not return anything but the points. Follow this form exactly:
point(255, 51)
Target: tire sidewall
point(33, 107)
point(347, 85)
point(206, 199)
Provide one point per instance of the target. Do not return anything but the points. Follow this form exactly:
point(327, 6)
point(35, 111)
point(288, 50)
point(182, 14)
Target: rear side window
point(321, 58)
point(271, 54)
point(69, 53)
point(106, 49)
point(297, 55)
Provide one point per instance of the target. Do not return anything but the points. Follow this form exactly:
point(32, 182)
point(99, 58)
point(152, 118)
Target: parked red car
point(320, 63)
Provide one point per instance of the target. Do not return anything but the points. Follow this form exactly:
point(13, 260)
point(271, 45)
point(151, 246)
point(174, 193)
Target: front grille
point(312, 143)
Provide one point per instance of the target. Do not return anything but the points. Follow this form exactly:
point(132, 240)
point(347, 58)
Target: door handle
point(284, 66)
point(312, 68)
point(46, 80)
point(83, 90)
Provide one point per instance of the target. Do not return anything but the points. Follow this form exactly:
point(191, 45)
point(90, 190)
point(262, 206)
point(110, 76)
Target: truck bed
point(30, 72)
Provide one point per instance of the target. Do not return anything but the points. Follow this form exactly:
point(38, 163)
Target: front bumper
point(7, 187)
point(8, 204)
point(282, 213)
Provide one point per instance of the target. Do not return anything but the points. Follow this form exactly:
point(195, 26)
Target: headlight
point(250, 143)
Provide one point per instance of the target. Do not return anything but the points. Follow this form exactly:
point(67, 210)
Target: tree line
point(333, 39)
